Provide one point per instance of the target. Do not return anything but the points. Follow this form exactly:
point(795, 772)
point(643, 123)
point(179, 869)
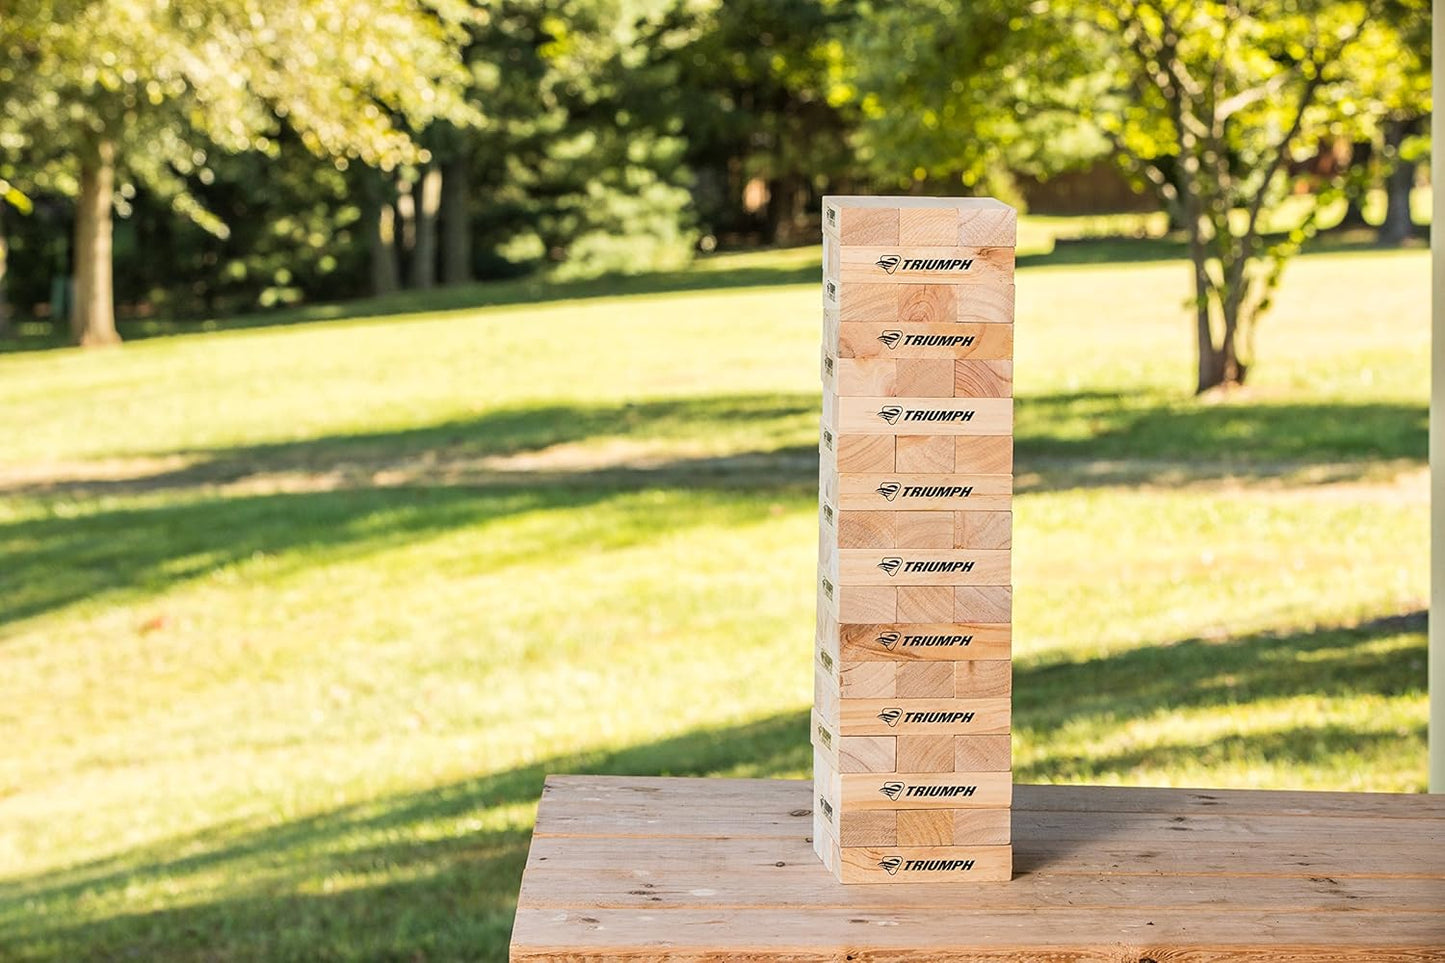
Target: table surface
point(636, 868)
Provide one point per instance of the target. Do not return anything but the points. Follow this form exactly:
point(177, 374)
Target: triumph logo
point(891, 565)
point(827, 661)
point(889, 490)
point(825, 737)
point(827, 588)
point(889, 263)
point(892, 790)
point(890, 865)
point(832, 291)
point(827, 808)
point(828, 366)
point(888, 639)
point(935, 865)
point(828, 514)
point(891, 716)
point(890, 339)
point(891, 413)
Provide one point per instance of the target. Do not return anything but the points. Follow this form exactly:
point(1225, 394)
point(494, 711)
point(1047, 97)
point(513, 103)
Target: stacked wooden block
point(913, 681)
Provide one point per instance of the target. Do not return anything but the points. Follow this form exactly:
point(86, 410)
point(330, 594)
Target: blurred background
point(447, 404)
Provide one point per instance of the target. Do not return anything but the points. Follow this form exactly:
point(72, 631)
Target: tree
point(122, 91)
point(1205, 102)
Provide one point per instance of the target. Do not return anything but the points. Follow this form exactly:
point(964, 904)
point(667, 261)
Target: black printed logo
point(891, 413)
point(891, 716)
point(891, 338)
point(889, 490)
point(827, 808)
point(832, 215)
point(891, 565)
point(828, 514)
point(828, 440)
point(825, 737)
point(889, 262)
point(892, 790)
point(890, 864)
point(832, 291)
point(888, 640)
point(827, 661)
point(827, 588)
point(828, 365)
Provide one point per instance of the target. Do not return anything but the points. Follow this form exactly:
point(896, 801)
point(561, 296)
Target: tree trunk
point(5, 330)
point(424, 255)
point(456, 223)
point(1397, 225)
point(381, 239)
point(92, 313)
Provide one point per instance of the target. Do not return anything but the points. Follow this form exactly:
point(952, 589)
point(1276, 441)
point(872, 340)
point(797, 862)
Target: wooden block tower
point(913, 679)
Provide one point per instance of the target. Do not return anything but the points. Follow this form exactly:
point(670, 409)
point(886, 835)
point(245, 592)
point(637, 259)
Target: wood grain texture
point(868, 680)
point(928, 226)
point(866, 453)
point(925, 302)
point(925, 754)
point(870, 376)
point(982, 753)
point(637, 868)
point(944, 640)
point(867, 529)
point(978, 455)
point(863, 566)
point(867, 754)
point(925, 378)
point(882, 415)
point(967, 267)
point(926, 717)
point(979, 679)
point(926, 530)
point(927, 680)
point(916, 339)
point(861, 225)
point(880, 491)
point(926, 790)
point(924, 827)
point(983, 379)
point(924, 603)
point(991, 603)
point(983, 530)
point(924, 454)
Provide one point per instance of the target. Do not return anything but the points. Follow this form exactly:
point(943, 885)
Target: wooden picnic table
point(636, 868)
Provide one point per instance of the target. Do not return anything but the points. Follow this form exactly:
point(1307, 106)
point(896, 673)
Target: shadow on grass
point(1112, 691)
point(408, 892)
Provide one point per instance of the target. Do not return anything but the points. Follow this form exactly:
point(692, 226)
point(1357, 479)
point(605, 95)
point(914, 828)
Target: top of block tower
point(920, 221)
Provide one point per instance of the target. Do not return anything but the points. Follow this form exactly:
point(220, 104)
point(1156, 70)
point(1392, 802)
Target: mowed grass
point(295, 619)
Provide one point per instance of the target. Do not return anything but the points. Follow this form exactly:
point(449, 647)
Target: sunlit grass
point(294, 619)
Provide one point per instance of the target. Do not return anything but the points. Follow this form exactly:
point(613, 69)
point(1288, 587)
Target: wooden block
point(924, 827)
point(868, 754)
point(989, 603)
point(868, 680)
point(982, 827)
point(927, 530)
point(861, 225)
point(826, 661)
point(959, 717)
point(869, 603)
point(869, 529)
point(903, 264)
point(861, 566)
point(877, 828)
point(992, 303)
point(928, 680)
point(827, 707)
point(926, 753)
point(925, 603)
point(924, 641)
point(982, 754)
point(982, 379)
point(924, 454)
point(929, 304)
point(930, 227)
point(927, 492)
point(866, 453)
point(873, 376)
point(920, 378)
point(991, 530)
point(926, 790)
point(974, 679)
point(981, 455)
point(881, 415)
point(925, 864)
point(984, 227)
point(917, 339)
point(861, 301)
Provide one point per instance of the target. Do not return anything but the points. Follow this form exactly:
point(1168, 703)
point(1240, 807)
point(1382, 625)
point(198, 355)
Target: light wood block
point(921, 378)
point(903, 717)
point(979, 455)
point(914, 339)
point(878, 491)
point(974, 679)
point(925, 454)
point(870, 376)
point(983, 379)
point(867, 530)
point(929, 303)
point(926, 790)
point(864, 453)
point(982, 754)
point(861, 225)
point(923, 641)
point(867, 754)
point(982, 827)
point(928, 680)
point(927, 864)
point(962, 266)
point(868, 680)
point(857, 566)
point(924, 603)
point(862, 603)
point(930, 530)
point(926, 754)
point(921, 416)
point(924, 827)
point(989, 603)
point(991, 530)
point(878, 828)
point(925, 303)
point(928, 226)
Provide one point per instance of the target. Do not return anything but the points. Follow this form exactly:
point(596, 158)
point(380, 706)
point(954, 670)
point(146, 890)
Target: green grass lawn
point(294, 618)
